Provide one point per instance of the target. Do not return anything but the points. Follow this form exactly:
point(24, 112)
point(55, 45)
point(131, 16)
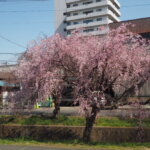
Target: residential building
point(8, 82)
point(88, 15)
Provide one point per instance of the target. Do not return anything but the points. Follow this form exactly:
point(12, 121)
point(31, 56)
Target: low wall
point(99, 134)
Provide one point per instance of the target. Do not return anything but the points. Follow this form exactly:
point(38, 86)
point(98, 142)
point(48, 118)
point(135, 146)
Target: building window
point(68, 14)
point(87, 21)
point(68, 23)
point(98, 0)
point(75, 14)
point(65, 21)
point(98, 10)
point(74, 5)
point(88, 12)
point(68, 32)
point(76, 23)
point(68, 6)
point(86, 3)
point(99, 19)
point(88, 30)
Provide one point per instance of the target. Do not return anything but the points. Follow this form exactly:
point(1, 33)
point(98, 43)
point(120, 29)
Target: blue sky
point(26, 26)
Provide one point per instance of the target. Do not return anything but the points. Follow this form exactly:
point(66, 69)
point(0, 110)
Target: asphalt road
point(12, 147)
point(124, 111)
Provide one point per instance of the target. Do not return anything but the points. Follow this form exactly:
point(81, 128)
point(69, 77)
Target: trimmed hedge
point(99, 134)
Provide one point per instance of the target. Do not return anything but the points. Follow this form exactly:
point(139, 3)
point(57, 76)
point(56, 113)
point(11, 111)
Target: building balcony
point(95, 5)
point(94, 14)
point(98, 32)
point(73, 1)
point(113, 16)
point(85, 25)
point(114, 8)
point(117, 3)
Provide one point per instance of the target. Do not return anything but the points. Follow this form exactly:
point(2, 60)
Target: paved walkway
point(124, 111)
point(12, 147)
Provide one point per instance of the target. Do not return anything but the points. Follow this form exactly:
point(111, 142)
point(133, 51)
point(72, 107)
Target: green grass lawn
point(74, 121)
point(71, 121)
point(77, 144)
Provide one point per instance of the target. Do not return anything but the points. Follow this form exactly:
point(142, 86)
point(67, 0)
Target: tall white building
point(86, 14)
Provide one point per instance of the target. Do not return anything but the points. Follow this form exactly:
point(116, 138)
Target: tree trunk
point(90, 120)
point(56, 109)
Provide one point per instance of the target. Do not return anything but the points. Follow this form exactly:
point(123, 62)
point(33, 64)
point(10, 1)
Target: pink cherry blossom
point(108, 68)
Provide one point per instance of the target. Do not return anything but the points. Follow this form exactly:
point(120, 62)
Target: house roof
point(142, 25)
point(7, 76)
point(7, 72)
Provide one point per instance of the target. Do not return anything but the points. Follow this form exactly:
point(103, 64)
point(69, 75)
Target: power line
point(10, 53)
point(28, 11)
point(139, 5)
point(12, 42)
point(20, 0)
point(8, 61)
point(30, 22)
point(59, 10)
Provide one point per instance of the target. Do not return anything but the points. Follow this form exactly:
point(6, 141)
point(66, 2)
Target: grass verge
point(71, 121)
point(77, 144)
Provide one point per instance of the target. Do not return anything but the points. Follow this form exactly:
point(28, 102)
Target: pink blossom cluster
point(99, 69)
